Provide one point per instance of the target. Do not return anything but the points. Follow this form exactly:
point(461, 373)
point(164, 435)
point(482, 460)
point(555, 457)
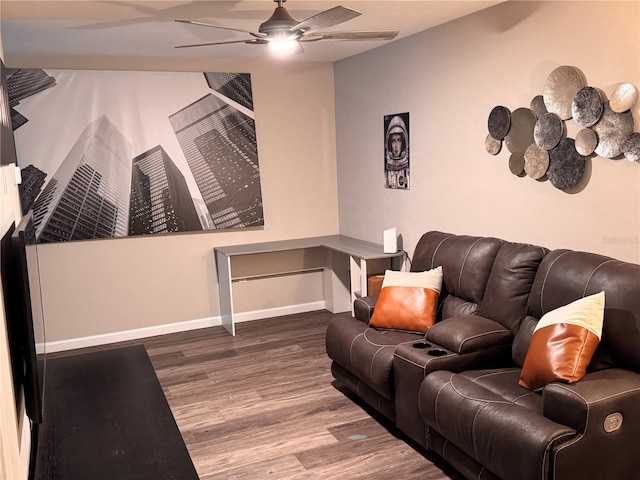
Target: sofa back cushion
point(466, 265)
point(509, 284)
point(565, 276)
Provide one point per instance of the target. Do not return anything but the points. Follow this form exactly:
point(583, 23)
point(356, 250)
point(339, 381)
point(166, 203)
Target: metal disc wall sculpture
point(536, 136)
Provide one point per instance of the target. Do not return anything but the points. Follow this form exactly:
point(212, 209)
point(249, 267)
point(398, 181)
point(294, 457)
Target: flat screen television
point(19, 318)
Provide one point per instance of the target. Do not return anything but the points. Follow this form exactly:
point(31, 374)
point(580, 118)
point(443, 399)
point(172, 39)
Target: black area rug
point(106, 417)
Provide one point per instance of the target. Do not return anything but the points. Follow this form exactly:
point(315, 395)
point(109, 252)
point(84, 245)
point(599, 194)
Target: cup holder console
point(437, 353)
point(421, 345)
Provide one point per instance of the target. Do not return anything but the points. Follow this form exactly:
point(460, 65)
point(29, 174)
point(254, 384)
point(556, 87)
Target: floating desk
point(342, 259)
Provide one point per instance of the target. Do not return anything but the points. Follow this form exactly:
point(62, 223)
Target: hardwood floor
point(263, 404)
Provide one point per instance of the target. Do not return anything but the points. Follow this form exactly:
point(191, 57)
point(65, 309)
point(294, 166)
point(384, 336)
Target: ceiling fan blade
point(326, 19)
point(355, 35)
point(217, 43)
point(253, 34)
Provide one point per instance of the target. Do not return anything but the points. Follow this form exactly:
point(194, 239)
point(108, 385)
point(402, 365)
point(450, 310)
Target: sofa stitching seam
point(473, 428)
point(435, 402)
point(586, 286)
point(367, 305)
point(372, 360)
point(351, 347)
point(464, 262)
point(593, 402)
point(394, 345)
point(411, 361)
point(522, 396)
point(546, 275)
point(474, 398)
point(566, 435)
point(492, 374)
point(478, 335)
point(435, 251)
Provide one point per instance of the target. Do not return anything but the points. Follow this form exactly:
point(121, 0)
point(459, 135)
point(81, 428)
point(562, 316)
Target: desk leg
point(225, 290)
point(359, 286)
point(337, 282)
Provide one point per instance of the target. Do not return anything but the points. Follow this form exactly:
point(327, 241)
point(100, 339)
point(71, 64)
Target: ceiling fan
point(281, 28)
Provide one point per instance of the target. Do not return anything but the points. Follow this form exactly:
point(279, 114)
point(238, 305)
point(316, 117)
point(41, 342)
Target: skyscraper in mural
point(236, 86)
point(160, 198)
point(88, 196)
point(23, 83)
point(33, 179)
point(219, 143)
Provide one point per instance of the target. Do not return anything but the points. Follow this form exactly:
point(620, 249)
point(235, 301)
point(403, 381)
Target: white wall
point(449, 78)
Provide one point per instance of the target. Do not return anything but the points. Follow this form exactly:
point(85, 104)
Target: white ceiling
point(141, 28)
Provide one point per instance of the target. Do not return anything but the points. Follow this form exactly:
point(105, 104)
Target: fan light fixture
point(283, 47)
point(284, 34)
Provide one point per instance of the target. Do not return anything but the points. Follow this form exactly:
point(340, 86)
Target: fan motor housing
point(280, 21)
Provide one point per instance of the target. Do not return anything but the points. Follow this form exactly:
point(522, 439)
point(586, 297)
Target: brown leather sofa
point(455, 389)
point(487, 426)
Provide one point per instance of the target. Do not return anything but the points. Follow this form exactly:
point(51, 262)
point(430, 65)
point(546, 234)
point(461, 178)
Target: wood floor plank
point(263, 404)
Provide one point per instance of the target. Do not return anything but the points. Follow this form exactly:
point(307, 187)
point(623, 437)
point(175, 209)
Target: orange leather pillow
point(563, 343)
point(408, 300)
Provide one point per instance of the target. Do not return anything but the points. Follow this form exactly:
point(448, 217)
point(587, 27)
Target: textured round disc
point(520, 135)
point(631, 147)
point(516, 164)
point(548, 131)
point(623, 97)
point(499, 122)
point(586, 141)
point(492, 145)
point(560, 89)
point(613, 129)
point(566, 165)
point(537, 106)
point(587, 107)
point(536, 161)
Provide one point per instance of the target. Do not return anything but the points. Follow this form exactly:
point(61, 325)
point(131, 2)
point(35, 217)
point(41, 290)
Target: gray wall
point(449, 78)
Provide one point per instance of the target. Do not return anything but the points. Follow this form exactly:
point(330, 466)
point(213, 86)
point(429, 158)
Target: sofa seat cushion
point(488, 427)
point(468, 333)
point(504, 382)
point(366, 352)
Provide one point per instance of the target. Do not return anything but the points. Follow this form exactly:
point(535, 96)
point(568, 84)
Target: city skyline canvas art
point(107, 154)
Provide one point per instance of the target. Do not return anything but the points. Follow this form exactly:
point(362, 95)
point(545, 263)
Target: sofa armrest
point(363, 307)
point(468, 333)
point(603, 408)
point(593, 402)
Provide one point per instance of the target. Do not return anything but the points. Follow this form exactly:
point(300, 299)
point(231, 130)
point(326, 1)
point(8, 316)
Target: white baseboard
point(279, 311)
point(137, 333)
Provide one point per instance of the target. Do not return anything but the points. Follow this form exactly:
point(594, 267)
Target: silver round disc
point(560, 89)
point(613, 129)
point(566, 165)
point(536, 161)
point(492, 145)
point(537, 106)
point(623, 97)
point(548, 131)
point(631, 147)
point(520, 135)
point(516, 164)
point(499, 122)
point(587, 107)
point(586, 142)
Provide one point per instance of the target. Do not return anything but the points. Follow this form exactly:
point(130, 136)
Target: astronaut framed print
point(396, 151)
